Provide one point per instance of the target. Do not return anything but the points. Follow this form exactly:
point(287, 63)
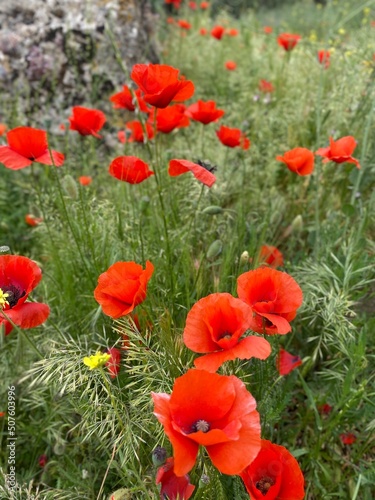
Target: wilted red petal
point(178, 167)
point(287, 362)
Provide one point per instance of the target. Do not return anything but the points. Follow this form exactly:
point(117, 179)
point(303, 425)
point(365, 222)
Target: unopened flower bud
point(297, 224)
point(244, 259)
point(159, 456)
point(70, 187)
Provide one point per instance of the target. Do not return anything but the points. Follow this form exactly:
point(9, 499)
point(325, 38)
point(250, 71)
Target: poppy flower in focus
point(173, 487)
point(87, 121)
point(170, 118)
point(270, 255)
point(274, 297)
point(204, 112)
point(134, 132)
point(130, 169)
point(215, 325)
point(114, 363)
point(230, 65)
point(160, 84)
point(265, 86)
point(214, 411)
point(232, 32)
point(18, 277)
point(85, 180)
point(179, 167)
point(25, 145)
point(323, 57)
point(288, 40)
point(340, 151)
point(286, 362)
point(267, 29)
point(274, 474)
point(183, 24)
point(32, 221)
point(298, 160)
point(122, 287)
point(348, 438)
point(3, 129)
point(218, 32)
point(232, 137)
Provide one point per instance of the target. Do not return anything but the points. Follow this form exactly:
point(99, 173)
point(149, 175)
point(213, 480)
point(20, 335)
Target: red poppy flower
point(18, 277)
point(134, 132)
point(203, 31)
point(170, 20)
point(323, 57)
point(179, 167)
point(193, 5)
point(130, 169)
point(204, 5)
point(204, 112)
point(218, 32)
point(265, 86)
point(298, 160)
point(3, 129)
point(232, 32)
point(214, 411)
point(274, 475)
point(325, 409)
point(114, 363)
point(233, 137)
point(160, 84)
point(348, 438)
point(42, 460)
point(123, 99)
point(32, 221)
point(175, 3)
point(267, 29)
point(270, 255)
point(230, 65)
point(87, 121)
point(183, 24)
point(25, 145)
point(215, 325)
point(85, 180)
point(169, 118)
point(173, 487)
point(288, 40)
point(340, 151)
point(287, 362)
point(122, 287)
point(274, 297)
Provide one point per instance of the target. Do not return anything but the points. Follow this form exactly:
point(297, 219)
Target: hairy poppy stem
point(23, 334)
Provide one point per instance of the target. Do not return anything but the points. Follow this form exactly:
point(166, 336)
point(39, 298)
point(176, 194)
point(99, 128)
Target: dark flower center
point(264, 484)
point(14, 294)
point(225, 335)
point(207, 165)
point(200, 425)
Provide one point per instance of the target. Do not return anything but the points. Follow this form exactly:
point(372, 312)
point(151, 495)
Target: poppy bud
point(214, 249)
point(297, 224)
point(212, 210)
point(70, 187)
point(159, 456)
point(244, 259)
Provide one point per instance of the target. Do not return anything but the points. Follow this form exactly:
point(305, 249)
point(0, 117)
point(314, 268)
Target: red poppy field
point(187, 264)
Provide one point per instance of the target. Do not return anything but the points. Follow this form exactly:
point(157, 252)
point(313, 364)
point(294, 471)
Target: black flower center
point(14, 294)
point(264, 484)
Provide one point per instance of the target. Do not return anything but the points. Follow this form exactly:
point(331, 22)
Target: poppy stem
point(113, 400)
point(23, 334)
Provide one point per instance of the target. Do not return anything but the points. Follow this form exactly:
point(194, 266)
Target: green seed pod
point(70, 187)
point(214, 249)
point(212, 210)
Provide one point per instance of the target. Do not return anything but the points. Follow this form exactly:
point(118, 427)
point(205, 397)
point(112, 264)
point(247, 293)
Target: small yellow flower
point(96, 360)
point(313, 37)
point(366, 11)
point(342, 31)
point(3, 299)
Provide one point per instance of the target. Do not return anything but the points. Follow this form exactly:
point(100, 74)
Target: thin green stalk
point(23, 334)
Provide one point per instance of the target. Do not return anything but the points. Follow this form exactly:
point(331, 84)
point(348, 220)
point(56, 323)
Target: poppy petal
point(178, 167)
point(29, 315)
point(58, 158)
point(282, 325)
point(13, 160)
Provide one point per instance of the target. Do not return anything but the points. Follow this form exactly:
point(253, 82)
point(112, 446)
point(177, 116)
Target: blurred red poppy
point(274, 474)
point(265, 86)
point(25, 145)
point(87, 121)
point(160, 84)
point(230, 65)
point(173, 487)
point(298, 160)
point(203, 31)
point(267, 29)
point(179, 167)
point(130, 169)
point(325, 409)
point(183, 24)
point(270, 255)
point(170, 118)
point(340, 151)
point(134, 132)
point(122, 287)
point(85, 180)
point(33, 221)
point(204, 112)
point(114, 363)
point(214, 411)
point(323, 57)
point(274, 297)
point(175, 3)
point(3, 129)
point(286, 362)
point(288, 40)
point(232, 137)
point(218, 32)
point(42, 460)
point(232, 32)
point(348, 438)
point(18, 277)
point(193, 5)
point(215, 325)
point(204, 5)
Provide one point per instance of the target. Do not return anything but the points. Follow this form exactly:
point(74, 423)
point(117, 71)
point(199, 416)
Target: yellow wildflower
point(96, 360)
point(342, 31)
